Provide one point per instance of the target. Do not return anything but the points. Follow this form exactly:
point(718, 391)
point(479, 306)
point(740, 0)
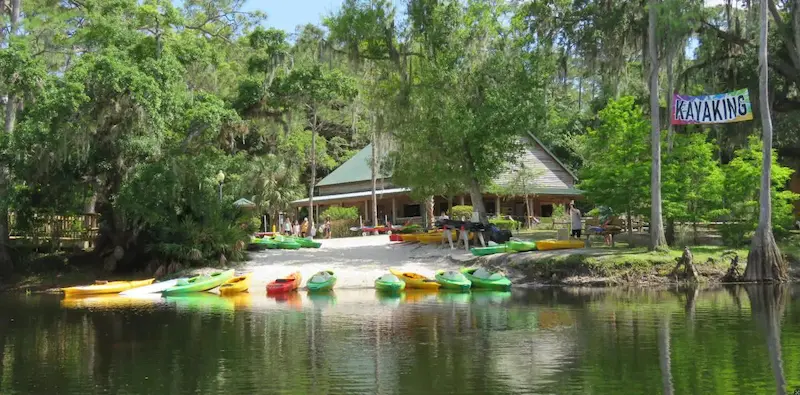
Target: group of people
point(305, 229)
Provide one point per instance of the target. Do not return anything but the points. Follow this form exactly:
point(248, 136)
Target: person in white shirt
point(577, 224)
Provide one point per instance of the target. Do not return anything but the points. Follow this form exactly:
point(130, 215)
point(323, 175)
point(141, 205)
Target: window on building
point(547, 210)
point(411, 210)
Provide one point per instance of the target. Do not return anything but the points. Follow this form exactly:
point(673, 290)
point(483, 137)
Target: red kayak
point(287, 284)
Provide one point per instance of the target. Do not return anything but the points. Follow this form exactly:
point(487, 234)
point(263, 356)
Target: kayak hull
point(410, 237)
point(112, 287)
point(502, 284)
point(322, 286)
point(521, 246)
point(461, 284)
point(288, 245)
point(200, 283)
point(389, 286)
point(415, 280)
point(483, 251)
point(286, 284)
point(154, 288)
point(235, 285)
point(546, 245)
point(306, 243)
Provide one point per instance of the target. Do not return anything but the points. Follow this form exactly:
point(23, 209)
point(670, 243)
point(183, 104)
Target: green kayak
point(199, 283)
point(482, 278)
point(521, 246)
point(389, 283)
point(288, 245)
point(482, 251)
point(307, 243)
point(322, 281)
point(452, 280)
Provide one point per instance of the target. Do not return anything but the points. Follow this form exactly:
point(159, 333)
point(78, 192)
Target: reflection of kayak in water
point(390, 298)
point(490, 297)
point(241, 300)
point(420, 295)
point(322, 299)
point(455, 296)
point(201, 301)
point(290, 298)
point(110, 301)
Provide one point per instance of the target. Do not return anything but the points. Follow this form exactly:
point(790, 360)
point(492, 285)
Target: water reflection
point(729, 340)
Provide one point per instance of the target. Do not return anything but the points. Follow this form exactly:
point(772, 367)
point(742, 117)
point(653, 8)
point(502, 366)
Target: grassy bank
point(611, 266)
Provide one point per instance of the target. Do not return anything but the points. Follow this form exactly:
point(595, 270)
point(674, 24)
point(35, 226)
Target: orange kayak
point(286, 284)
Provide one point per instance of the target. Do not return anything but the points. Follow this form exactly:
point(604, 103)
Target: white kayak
point(156, 288)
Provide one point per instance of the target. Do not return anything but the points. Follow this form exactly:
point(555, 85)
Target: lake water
point(552, 341)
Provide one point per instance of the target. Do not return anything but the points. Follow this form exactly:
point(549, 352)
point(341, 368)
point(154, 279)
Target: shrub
point(336, 213)
point(456, 212)
point(505, 224)
point(341, 227)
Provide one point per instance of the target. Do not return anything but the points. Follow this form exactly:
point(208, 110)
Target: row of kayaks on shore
point(225, 281)
point(325, 280)
point(284, 243)
point(524, 246)
point(432, 237)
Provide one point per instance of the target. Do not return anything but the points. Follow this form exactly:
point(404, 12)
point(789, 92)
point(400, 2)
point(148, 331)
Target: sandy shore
point(357, 261)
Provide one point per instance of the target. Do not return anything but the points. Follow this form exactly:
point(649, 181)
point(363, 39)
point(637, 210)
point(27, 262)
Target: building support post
point(497, 206)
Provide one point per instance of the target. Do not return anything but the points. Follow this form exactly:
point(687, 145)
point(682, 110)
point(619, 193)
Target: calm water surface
point(561, 341)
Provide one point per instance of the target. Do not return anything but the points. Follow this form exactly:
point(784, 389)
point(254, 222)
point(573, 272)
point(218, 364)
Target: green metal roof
point(355, 169)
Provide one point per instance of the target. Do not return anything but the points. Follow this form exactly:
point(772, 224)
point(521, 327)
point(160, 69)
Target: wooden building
point(350, 185)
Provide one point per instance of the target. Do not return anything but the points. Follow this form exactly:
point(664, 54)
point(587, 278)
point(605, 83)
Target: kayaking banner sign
point(721, 108)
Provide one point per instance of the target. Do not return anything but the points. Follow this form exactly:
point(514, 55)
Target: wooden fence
point(44, 228)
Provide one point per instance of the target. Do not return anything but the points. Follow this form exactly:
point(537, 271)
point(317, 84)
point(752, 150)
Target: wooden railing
point(81, 227)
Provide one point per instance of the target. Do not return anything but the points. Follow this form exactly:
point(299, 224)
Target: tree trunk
point(476, 195)
point(6, 264)
point(313, 173)
point(374, 165)
point(670, 235)
point(657, 239)
point(670, 98)
point(764, 262)
point(431, 216)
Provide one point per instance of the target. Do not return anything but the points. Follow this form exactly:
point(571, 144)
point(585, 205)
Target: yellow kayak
point(415, 280)
point(545, 245)
point(235, 285)
point(110, 301)
point(105, 287)
point(410, 237)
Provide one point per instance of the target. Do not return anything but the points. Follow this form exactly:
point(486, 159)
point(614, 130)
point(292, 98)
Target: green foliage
point(693, 182)
point(413, 228)
point(508, 224)
point(336, 213)
point(458, 212)
point(617, 174)
point(741, 196)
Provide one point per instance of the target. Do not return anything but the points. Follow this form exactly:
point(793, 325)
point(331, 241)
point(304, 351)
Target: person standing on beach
point(577, 224)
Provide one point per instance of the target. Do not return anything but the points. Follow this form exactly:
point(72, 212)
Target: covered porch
point(396, 206)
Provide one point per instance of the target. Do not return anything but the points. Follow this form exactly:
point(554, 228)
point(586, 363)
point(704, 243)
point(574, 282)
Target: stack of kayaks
point(307, 243)
point(483, 251)
point(415, 280)
point(286, 243)
point(264, 242)
point(235, 285)
point(545, 245)
point(389, 283)
point(286, 284)
point(449, 279)
point(199, 283)
point(154, 288)
point(482, 278)
point(105, 287)
point(521, 246)
point(322, 281)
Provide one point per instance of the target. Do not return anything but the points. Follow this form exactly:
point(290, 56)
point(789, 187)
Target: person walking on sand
point(327, 228)
point(304, 227)
point(296, 229)
point(577, 224)
point(287, 227)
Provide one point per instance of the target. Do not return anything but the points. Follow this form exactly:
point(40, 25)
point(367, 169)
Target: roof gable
point(357, 168)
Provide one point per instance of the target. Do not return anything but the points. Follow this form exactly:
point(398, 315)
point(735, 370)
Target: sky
point(287, 14)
